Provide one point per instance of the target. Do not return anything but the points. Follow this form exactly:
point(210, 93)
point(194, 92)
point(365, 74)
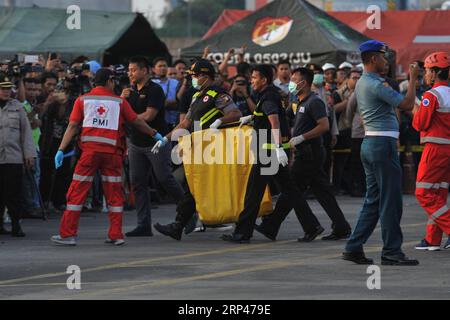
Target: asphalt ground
point(203, 267)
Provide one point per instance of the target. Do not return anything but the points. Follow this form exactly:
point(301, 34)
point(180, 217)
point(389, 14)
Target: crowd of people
point(317, 109)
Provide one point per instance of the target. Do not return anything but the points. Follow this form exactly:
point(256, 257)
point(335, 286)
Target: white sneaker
point(69, 241)
point(117, 242)
point(424, 245)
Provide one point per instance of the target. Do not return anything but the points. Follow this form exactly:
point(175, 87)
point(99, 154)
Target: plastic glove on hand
point(59, 159)
point(296, 140)
point(215, 125)
point(245, 120)
point(282, 157)
point(159, 144)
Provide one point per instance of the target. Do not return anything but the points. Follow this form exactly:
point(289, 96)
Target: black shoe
point(356, 257)
point(308, 237)
point(334, 236)
point(270, 235)
point(402, 261)
point(139, 232)
point(235, 238)
point(173, 230)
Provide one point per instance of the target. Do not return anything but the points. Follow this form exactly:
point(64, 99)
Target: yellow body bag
point(217, 166)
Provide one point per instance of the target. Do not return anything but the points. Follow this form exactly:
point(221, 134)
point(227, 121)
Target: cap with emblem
point(202, 66)
point(345, 65)
point(328, 66)
point(5, 83)
point(373, 46)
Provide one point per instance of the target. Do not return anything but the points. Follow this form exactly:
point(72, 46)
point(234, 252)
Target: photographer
point(55, 115)
point(240, 94)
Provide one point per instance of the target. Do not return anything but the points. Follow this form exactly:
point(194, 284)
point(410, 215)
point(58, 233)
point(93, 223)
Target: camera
point(76, 83)
point(241, 82)
point(120, 78)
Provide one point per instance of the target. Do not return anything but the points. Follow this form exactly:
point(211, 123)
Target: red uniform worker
point(102, 116)
point(432, 120)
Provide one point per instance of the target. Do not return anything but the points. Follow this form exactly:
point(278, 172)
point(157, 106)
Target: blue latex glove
point(59, 159)
point(158, 145)
point(158, 136)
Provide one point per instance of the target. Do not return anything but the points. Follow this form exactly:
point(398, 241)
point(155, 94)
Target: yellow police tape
point(218, 177)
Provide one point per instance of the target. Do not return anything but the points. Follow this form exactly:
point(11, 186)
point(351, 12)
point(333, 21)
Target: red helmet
point(437, 59)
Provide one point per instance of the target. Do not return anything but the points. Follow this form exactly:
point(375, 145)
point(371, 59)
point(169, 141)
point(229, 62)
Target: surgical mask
point(195, 84)
point(293, 88)
point(318, 79)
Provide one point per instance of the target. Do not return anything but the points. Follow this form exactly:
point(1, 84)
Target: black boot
point(173, 230)
point(16, 230)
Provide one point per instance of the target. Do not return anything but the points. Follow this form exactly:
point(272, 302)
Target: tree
point(203, 14)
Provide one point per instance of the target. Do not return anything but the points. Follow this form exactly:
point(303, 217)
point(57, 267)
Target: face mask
point(195, 84)
point(293, 88)
point(318, 79)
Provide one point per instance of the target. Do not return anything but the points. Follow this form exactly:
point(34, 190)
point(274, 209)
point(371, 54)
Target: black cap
point(5, 82)
point(102, 76)
point(202, 66)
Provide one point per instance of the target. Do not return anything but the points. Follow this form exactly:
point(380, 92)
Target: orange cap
point(437, 59)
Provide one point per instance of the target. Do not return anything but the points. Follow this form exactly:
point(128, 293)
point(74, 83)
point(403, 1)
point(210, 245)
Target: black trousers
point(256, 187)
point(307, 171)
point(341, 157)
point(60, 178)
point(185, 209)
point(10, 189)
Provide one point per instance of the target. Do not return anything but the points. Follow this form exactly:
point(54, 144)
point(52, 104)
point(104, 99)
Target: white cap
point(328, 66)
point(360, 66)
point(345, 64)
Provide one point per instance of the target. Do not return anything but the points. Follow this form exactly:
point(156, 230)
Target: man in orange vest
point(432, 120)
point(101, 115)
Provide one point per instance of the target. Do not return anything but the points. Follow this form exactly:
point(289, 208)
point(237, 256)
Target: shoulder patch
point(426, 102)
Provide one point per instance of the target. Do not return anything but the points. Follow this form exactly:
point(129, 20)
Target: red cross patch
point(206, 99)
point(101, 111)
